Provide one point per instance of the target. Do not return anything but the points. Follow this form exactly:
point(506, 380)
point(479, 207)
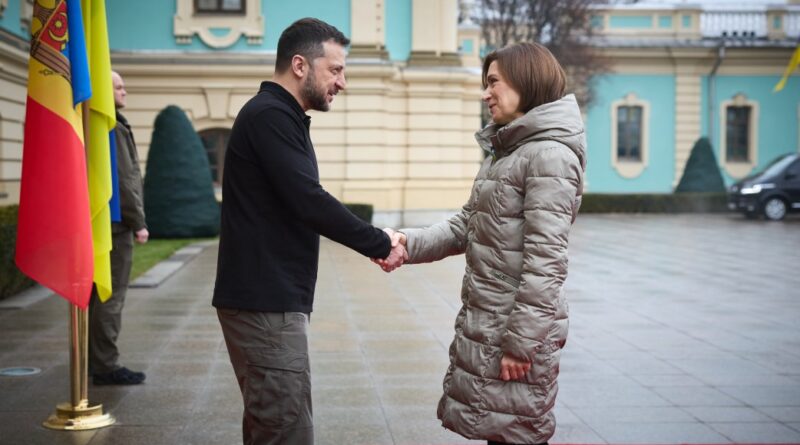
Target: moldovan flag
point(789, 69)
point(102, 120)
point(54, 238)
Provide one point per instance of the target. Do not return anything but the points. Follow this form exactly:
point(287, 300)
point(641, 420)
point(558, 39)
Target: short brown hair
point(532, 71)
point(305, 38)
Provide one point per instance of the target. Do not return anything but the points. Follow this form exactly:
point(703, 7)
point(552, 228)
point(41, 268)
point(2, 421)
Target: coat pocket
point(511, 281)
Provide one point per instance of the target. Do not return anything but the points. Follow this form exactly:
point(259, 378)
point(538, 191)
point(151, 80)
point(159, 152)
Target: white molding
point(25, 15)
point(629, 169)
point(739, 169)
point(187, 24)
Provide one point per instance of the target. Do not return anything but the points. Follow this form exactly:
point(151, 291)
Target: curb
point(150, 279)
point(166, 268)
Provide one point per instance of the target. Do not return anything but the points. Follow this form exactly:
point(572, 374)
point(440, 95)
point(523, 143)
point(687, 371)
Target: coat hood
point(557, 121)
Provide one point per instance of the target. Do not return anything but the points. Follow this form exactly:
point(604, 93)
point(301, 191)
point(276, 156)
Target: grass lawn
point(147, 255)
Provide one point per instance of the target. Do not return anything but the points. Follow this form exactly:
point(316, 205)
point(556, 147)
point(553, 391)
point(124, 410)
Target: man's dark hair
point(305, 38)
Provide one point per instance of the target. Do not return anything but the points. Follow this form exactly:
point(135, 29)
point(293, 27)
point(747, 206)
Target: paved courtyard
point(684, 329)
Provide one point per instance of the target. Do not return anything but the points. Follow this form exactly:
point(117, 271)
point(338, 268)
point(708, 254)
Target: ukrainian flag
point(789, 70)
point(102, 119)
point(54, 237)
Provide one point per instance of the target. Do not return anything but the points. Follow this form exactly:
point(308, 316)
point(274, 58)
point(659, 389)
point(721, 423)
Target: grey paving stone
point(634, 415)
point(690, 317)
point(782, 413)
point(658, 433)
point(696, 396)
point(710, 414)
point(768, 432)
point(787, 395)
point(593, 395)
point(653, 380)
point(567, 432)
point(25, 428)
point(137, 435)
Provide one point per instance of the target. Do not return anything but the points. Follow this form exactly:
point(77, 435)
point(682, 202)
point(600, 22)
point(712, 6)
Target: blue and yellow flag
point(789, 70)
point(102, 119)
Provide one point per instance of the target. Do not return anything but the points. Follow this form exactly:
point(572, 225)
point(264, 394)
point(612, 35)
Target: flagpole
point(77, 414)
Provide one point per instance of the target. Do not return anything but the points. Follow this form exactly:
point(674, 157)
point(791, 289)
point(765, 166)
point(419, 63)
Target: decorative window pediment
point(218, 23)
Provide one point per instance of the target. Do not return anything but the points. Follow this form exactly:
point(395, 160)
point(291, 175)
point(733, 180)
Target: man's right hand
point(141, 236)
point(398, 255)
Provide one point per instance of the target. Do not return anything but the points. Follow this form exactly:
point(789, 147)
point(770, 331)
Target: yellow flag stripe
point(53, 92)
point(789, 70)
point(102, 119)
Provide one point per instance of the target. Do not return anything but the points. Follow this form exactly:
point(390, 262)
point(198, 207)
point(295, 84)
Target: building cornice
point(14, 54)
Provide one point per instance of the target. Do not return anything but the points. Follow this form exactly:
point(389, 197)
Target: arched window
point(215, 140)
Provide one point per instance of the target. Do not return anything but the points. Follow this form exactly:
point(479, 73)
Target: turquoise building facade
point(404, 127)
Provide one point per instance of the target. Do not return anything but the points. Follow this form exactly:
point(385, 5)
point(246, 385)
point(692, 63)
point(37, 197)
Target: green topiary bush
point(702, 172)
point(11, 279)
point(363, 211)
point(654, 203)
point(179, 197)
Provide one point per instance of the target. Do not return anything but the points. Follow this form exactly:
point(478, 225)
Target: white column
point(367, 26)
point(434, 39)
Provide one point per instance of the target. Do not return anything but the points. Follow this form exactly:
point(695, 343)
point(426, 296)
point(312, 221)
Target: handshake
point(397, 256)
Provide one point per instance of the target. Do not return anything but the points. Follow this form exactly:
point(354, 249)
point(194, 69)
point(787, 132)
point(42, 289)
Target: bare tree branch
point(563, 26)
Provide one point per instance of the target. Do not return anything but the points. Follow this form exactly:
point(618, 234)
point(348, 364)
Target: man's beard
point(313, 97)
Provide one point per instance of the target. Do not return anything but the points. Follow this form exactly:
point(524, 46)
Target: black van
point(773, 192)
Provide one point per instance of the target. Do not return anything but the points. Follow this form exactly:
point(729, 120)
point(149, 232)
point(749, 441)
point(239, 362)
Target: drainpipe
point(712, 96)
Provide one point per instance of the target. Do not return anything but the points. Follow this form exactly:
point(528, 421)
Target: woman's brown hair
point(531, 70)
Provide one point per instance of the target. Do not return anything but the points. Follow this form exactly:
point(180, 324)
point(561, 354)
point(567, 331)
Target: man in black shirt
point(273, 213)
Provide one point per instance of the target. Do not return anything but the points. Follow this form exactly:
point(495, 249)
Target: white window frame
point(739, 169)
point(187, 24)
point(630, 169)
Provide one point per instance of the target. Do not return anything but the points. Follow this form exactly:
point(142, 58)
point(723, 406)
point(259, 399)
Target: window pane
point(206, 5)
point(629, 133)
point(215, 141)
point(737, 134)
point(232, 5)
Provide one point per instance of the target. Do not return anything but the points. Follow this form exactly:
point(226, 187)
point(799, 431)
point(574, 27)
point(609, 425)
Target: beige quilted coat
point(514, 231)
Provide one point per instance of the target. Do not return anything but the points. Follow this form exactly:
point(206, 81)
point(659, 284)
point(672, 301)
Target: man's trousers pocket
point(278, 387)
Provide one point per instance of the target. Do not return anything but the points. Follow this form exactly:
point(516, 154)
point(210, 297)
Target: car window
point(794, 169)
point(778, 165)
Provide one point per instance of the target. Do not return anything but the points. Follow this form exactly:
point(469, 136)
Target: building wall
point(659, 91)
point(675, 82)
point(777, 119)
point(399, 137)
point(13, 91)
point(10, 19)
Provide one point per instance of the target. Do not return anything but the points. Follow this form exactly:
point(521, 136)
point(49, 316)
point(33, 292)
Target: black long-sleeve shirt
point(274, 210)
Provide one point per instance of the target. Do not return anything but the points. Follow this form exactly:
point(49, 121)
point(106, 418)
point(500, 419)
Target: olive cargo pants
point(269, 354)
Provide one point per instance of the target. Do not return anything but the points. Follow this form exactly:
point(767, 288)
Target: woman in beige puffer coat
point(501, 383)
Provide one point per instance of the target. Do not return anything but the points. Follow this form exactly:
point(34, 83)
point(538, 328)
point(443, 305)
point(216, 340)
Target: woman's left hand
point(513, 369)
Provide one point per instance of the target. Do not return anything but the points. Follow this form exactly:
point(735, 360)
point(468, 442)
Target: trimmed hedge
point(654, 203)
point(702, 171)
point(179, 197)
point(11, 279)
point(363, 211)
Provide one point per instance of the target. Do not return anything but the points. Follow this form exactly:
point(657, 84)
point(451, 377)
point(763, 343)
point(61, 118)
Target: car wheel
point(774, 209)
